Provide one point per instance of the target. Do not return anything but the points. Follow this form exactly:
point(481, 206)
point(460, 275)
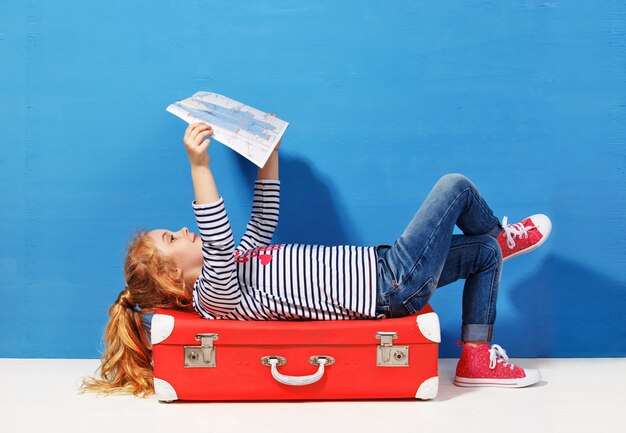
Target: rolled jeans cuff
point(476, 332)
point(495, 232)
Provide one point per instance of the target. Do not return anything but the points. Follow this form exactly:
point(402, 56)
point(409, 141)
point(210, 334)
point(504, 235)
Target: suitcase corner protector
point(428, 389)
point(428, 325)
point(161, 328)
point(164, 391)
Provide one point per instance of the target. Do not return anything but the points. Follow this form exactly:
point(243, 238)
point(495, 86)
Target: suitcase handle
point(274, 361)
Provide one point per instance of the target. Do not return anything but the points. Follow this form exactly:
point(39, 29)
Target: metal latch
point(203, 355)
point(388, 355)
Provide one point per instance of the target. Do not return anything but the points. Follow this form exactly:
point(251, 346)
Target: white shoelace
point(497, 355)
point(514, 230)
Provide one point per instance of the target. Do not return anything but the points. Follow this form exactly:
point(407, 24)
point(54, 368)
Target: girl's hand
point(196, 144)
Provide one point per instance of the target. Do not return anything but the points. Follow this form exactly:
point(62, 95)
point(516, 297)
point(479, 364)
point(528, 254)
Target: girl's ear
point(179, 272)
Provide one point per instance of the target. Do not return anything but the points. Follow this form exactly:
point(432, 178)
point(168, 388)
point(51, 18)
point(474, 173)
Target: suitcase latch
point(388, 355)
point(203, 355)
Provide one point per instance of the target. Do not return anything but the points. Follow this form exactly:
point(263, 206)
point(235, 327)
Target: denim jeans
point(427, 256)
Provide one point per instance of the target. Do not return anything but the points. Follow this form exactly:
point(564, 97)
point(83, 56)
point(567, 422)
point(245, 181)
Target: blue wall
point(527, 98)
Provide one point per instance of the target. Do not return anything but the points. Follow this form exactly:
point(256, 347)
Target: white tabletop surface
point(576, 395)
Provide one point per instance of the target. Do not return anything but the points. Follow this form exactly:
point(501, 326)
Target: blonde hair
point(151, 282)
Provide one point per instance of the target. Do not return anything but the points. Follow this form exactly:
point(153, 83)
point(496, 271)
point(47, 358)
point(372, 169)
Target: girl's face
point(184, 247)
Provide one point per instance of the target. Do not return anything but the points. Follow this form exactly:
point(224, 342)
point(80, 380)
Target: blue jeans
point(427, 256)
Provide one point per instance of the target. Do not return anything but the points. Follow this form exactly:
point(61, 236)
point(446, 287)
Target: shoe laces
point(514, 230)
point(498, 355)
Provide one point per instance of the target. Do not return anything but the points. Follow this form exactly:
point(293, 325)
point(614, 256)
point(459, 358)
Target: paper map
point(248, 131)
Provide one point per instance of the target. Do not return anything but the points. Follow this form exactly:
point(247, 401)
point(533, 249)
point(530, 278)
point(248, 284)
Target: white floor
point(576, 395)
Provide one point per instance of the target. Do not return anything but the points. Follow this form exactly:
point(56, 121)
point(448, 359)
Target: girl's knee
point(454, 181)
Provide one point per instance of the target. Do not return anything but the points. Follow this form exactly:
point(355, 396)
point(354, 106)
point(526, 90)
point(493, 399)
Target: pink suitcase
point(213, 360)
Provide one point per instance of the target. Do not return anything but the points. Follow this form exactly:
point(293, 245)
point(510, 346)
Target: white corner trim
point(164, 391)
point(428, 389)
point(428, 324)
point(162, 327)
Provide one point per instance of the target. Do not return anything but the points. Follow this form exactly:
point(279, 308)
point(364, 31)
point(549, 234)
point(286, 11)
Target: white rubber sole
point(532, 376)
point(545, 227)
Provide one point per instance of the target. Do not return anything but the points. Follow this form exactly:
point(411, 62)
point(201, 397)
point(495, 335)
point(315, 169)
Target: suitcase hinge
point(388, 355)
point(203, 355)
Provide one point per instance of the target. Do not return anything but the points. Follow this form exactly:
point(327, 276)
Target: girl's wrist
point(199, 167)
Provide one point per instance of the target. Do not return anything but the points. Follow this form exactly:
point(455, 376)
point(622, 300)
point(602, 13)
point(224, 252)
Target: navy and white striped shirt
point(259, 281)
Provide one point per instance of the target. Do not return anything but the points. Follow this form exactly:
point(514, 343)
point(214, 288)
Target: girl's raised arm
point(265, 206)
point(270, 170)
point(197, 143)
point(216, 291)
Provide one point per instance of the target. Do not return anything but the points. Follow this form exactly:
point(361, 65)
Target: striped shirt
point(259, 281)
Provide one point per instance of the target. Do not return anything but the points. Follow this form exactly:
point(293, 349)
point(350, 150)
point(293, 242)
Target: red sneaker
point(525, 236)
point(486, 365)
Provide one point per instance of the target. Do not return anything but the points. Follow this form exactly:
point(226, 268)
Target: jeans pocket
point(386, 269)
point(420, 297)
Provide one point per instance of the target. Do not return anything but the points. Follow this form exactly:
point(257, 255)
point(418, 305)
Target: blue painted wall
point(527, 98)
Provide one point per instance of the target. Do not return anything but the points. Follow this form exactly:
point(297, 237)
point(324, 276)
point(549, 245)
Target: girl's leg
point(409, 270)
point(478, 259)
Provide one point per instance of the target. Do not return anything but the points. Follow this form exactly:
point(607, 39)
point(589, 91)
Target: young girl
point(259, 281)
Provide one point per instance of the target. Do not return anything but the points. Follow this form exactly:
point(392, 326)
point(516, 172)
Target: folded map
point(250, 132)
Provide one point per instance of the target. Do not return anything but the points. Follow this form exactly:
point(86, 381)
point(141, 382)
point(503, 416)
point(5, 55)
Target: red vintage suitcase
point(200, 359)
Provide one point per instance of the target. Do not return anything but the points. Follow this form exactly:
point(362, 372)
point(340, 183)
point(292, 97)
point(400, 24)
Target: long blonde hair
point(151, 282)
